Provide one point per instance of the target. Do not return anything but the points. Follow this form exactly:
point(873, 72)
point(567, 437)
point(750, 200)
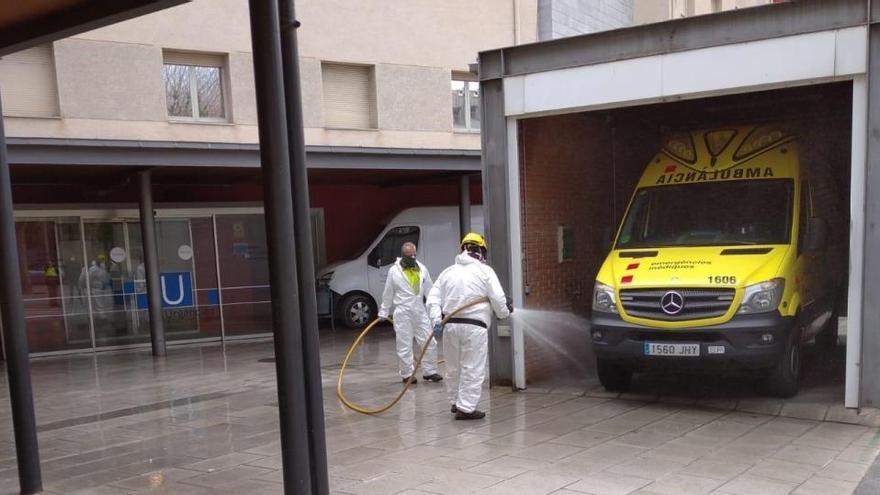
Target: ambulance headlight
point(603, 298)
point(763, 297)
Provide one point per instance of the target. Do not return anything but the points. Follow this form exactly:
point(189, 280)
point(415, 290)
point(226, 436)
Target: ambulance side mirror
point(817, 234)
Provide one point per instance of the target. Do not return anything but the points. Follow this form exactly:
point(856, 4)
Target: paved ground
point(204, 421)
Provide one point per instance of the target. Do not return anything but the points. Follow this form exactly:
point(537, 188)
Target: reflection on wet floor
point(204, 420)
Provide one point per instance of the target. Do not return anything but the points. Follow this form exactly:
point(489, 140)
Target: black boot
point(433, 378)
point(414, 379)
point(475, 414)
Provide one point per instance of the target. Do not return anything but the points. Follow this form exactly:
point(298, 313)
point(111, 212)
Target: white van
point(356, 285)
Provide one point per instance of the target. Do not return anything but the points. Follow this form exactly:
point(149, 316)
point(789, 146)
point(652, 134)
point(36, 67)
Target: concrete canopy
point(34, 22)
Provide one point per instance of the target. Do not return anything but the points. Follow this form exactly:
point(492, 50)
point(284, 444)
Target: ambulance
point(731, 256)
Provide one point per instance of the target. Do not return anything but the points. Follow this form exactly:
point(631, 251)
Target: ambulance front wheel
point(613, 377)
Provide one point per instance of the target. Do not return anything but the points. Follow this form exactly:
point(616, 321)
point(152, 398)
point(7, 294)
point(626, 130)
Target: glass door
point(177, 277)
point(111, 280)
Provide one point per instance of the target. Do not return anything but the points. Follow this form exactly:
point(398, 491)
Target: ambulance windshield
point(726, 213)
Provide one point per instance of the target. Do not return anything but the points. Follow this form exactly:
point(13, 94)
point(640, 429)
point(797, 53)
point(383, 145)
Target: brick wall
point(565, 178)
point(577, 170)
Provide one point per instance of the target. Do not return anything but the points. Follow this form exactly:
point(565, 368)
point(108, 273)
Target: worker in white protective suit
point(408, 282)
point(466, 335)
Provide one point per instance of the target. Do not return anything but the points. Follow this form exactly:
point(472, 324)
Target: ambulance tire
point(613, 377)
point(783, 380)
point(827, 338)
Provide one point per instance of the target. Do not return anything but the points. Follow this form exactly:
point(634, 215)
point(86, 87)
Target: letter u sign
point(177, 290)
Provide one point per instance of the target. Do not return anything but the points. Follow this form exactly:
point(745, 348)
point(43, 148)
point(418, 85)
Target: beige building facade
point(108, 83)
point(647, 11)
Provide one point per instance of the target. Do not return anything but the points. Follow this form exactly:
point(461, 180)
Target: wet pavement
point(204, 420)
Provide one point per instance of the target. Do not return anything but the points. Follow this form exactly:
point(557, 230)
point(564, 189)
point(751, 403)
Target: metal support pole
point(278, 200)
point(151, 265)
point(464, 205)
point(303, 248)
point(15, 342)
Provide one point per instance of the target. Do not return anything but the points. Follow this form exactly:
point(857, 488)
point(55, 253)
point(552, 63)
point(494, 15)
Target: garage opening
point(578, 172)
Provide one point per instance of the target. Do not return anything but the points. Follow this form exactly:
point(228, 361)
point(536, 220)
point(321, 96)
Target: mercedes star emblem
point(672, 303)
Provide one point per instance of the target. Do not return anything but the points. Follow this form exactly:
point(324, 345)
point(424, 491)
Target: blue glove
point(438, 331)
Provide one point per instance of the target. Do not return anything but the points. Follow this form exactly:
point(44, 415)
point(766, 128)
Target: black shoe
point(471, 415)
point(414, 379)
point(454, 409)
point(433, 378)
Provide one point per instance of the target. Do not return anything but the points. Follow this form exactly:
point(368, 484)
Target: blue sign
point(177, 291)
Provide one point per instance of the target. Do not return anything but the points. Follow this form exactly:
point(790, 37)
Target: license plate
point(662, 349)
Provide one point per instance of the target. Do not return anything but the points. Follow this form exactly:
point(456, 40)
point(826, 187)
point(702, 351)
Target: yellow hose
point(357, 342)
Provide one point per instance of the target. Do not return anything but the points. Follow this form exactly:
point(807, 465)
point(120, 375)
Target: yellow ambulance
point(731, 256)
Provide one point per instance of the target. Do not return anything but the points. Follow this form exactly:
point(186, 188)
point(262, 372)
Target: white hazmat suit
point(466, 345)
point(410, 318)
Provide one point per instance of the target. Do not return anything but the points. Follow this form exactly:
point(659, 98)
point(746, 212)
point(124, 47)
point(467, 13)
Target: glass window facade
point(84, 282)
point(465, 105)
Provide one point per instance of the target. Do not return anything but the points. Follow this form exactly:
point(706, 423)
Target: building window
point(465, 105)
point(194, 87)
point(29, 84)
point(349, 96)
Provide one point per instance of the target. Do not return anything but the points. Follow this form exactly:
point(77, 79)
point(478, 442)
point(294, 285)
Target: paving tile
point(608, 484)
point(783, 471)
point(844, 471)
point(786, 426)
point(533, 483)
point(722, 429)
point(868, 487)
point(508, 467)
point(723, 471)
point(649, 470)
point(823, 486)
point(583, 438)
point(752, 485)
point(805, 454)
point(677, 452)
point(771, 407)
point(645, 438)
point(219, 479)
point(547, 452)
point(678, 484)
point(222, 462)
point(521, 439)
point(453, 481)
point(811, 411)
point(607, 454)
point(859, 453)
point(749, 418)
point(531, 442)
point(156, 479)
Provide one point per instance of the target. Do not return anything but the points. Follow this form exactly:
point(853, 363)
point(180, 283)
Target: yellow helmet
point(473, 238)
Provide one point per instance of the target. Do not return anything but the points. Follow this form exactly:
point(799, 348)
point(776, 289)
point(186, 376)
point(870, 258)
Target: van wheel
point(783, 379)
point(827, 338)
point(613, 377)
point(356, 311)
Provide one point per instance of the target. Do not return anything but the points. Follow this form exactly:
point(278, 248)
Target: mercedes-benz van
point(356, 285)
point(731, 255)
